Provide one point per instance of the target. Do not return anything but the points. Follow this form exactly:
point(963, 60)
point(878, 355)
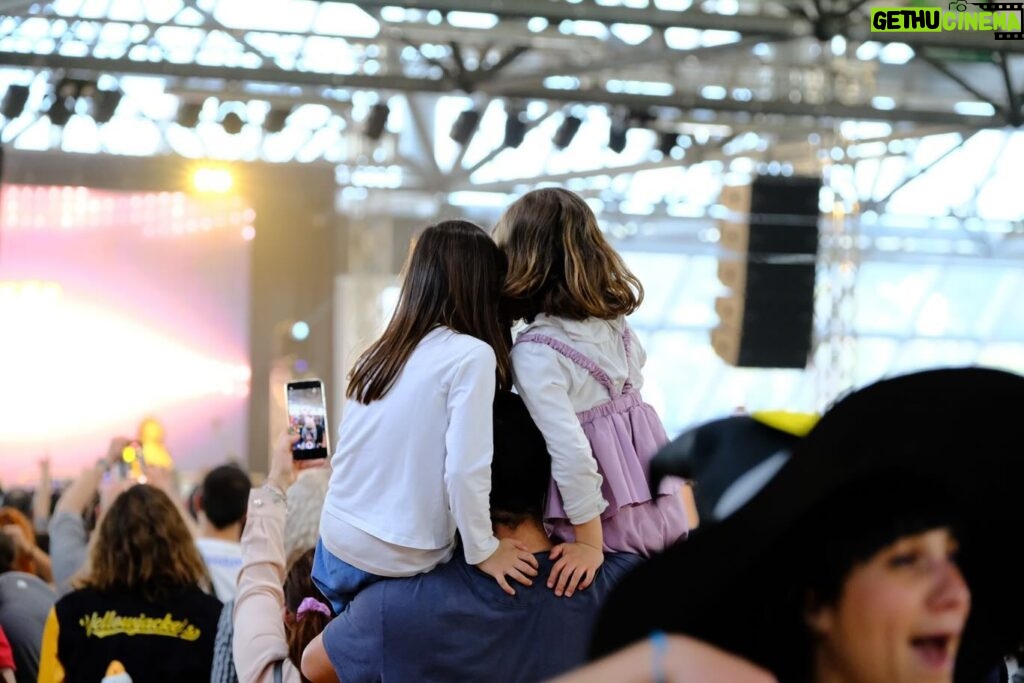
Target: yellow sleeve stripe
point(50, 670)
point(797, 424)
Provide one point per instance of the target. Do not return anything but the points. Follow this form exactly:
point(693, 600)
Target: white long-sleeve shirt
point(555, 389)
point(414, 466)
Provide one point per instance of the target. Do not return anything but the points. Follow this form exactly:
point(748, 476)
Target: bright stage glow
point(116, 307)
point(118, 367)
point(212, 180)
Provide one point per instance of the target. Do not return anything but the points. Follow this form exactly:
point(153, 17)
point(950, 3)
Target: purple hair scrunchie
point(312, 605)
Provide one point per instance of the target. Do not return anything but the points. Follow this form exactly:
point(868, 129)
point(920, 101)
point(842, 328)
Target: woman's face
point(898, 618)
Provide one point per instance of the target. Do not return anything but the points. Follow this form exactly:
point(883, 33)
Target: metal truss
point(785, 72)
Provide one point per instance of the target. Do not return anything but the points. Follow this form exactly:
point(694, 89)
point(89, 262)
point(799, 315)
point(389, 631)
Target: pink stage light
point(75, 367)
point(102, 325)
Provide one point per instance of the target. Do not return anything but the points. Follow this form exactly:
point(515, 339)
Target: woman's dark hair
point(559, 262)
point(298, 585)
point(453, 277)
point(841, 533)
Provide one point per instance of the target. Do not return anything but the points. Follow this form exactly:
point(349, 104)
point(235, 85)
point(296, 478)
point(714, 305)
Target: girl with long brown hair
point(578, 368)
point(415, 443)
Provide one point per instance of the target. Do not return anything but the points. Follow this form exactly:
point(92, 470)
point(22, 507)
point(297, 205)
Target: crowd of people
point(503, 505)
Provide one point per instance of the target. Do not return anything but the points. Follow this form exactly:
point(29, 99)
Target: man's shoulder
point(23, 581)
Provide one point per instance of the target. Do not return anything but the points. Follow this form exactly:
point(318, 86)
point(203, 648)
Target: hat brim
point(957, 426)
point(716, 453)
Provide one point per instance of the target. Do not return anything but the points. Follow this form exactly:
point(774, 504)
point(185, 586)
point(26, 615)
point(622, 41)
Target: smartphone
point(307, 419)
point(132, 464)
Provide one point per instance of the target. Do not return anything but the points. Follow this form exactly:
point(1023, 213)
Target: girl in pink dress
point(577, 366)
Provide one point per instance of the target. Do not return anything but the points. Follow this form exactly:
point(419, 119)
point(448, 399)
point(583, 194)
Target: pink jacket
point(259, 630)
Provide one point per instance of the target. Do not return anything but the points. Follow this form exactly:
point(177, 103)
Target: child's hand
point(511, 559)
point(576, 567)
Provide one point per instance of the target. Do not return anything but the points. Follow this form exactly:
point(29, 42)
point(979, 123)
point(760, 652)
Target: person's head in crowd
point(305, 503)
point(879, 552)
point(876, 595)
point(521, 466)
point(223, 499)
point(8, 553)
point(14, 521)
point(143, 547)
point(307, 611)
point(559, 262)
point(452, 278)
point(192, 503)
point(20, 500)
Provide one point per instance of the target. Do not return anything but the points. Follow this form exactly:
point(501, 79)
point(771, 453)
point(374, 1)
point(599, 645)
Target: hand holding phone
point(307, 419)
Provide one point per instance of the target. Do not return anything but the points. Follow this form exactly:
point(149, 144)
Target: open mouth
point(936, 651)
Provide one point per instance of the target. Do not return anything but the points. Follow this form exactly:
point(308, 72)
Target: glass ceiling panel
point(958, 301)
point(889, 296)
point(1007, 321)
point(695, 304)
point(919, 354)
point(661, 275)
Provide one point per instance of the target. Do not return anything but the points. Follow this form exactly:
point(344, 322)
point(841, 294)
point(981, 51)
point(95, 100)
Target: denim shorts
point(337, 579)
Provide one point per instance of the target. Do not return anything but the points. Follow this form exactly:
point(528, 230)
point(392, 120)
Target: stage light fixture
point(667, 142)
point(465, 126)
point(617, 138)
point(60, 111)
point(276, 120)
point(104, 104)
point(515, 128)
point(566, 131)
point(188, 114)
point(14, 101)
point(376, 121)
point(232, 123)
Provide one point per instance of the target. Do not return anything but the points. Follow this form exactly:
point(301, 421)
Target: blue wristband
point(659, 646)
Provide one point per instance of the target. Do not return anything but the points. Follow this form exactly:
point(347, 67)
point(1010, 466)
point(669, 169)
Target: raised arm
point(259, 638)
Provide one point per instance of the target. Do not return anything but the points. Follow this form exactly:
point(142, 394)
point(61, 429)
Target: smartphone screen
point(307, 419)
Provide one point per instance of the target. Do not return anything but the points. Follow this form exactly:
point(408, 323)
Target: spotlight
point(464, 126)
point(515, 129)
point(276, 120)
point(14, 101)
point(617, 138)
point(104, 104)
point(566, 131)
point(232, 123)
point(376, 121)
point(188, 114)
point(212, 180)
point(60, 111)
point(300, 331)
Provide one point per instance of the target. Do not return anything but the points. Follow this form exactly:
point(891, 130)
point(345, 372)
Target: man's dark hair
point(225, 495)
point(8, 551)
point(521, 467)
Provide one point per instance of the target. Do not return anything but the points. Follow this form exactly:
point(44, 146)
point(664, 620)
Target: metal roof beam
point(588, 96)
point(768, 25)
point(226, 73)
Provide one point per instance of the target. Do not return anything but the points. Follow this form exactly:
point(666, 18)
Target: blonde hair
point(559, 262)
point(142, 546)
